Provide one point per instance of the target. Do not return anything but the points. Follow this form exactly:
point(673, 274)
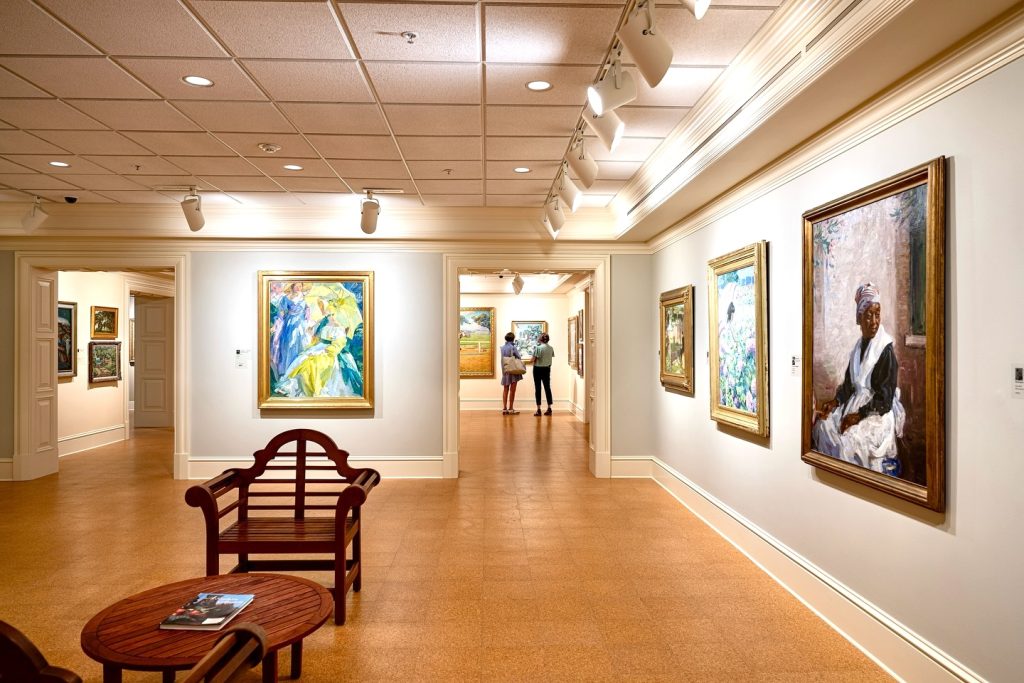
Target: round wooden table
point(127, 635)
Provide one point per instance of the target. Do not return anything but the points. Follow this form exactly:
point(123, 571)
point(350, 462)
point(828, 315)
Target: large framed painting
point(738, 338)
point(676, 315)
point(476, 342)
point(571, 350)
point(67, 339)
point(528, 334)
point(581, 341)
point(315, 340)
point(874, 336)
point(104, 322)
point(104, 361)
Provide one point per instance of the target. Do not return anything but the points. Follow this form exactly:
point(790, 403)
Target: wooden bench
point(301, 480)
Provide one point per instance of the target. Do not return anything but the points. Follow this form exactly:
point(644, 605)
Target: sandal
point(513, 412)
point(504, 412)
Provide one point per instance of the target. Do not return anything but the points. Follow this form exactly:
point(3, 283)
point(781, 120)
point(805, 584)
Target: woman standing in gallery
point(542, 358)
point(508, 380)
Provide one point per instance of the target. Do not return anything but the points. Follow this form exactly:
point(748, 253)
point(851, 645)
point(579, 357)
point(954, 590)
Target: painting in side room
point(476, 343)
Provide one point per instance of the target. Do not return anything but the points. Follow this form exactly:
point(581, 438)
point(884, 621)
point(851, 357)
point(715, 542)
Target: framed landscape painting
point(67, 339)
point(104, 361)
point(874, 336)
point(104, 322)
point(315, 340)
point(528, 334)
point(738, 338)
point(572, 343)
point(476, 342)
point(676, 315)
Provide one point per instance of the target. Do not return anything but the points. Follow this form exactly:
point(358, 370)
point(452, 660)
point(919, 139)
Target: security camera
point(71, 199)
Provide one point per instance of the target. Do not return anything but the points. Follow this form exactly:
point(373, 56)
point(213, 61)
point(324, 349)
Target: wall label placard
point(1018, 382)
point(243, 358)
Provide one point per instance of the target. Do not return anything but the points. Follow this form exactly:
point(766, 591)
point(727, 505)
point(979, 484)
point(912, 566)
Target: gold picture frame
point(316, 332)
point(738, 339)
point(476, 342)
point(676, 357)
point(103, 322)
point(573, 344)
point(874, 397)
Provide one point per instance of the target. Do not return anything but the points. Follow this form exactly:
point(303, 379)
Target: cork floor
point(524, 569)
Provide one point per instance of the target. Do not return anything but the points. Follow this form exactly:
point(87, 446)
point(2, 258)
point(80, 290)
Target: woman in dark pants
point(542, 358)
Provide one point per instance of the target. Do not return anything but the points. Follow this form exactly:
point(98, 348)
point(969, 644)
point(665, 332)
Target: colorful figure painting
point(528, 336)
point(476, 342)
point(67, 339)
point(676, 309)
point(316, 340)
point(104, 362)
point(873, 326)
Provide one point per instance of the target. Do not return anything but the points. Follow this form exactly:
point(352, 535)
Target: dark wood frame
point(73, 307)
point(93, 334)
point(484, 374)
point(932, 495)
point(93, 345)
point(678, 382)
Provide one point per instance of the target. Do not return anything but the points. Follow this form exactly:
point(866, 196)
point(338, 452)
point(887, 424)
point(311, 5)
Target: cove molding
point(901, 652)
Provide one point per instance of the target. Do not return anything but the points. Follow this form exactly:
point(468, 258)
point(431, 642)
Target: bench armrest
point(204, 496)
point(355, 493)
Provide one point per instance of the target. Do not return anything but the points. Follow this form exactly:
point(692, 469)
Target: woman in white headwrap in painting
point(861, 423)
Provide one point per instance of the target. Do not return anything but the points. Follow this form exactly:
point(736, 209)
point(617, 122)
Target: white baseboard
point(6, 469)
point(560, 404)
point(397, 467)
point(75, 443)
point(901, 652)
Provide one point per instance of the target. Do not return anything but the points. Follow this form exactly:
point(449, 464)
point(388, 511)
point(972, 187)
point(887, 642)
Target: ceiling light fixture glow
point(292, 167)
point(198, 81)
point(608, 127)
point(60, 164)
point(521, 169)
point(649, 48)
point(582, 165)
point(567, 190)
point(554, 215)
point(369, 209)
point(698, 8)
point(539, 86)
point(617, 88)
point(192, 207)
point(35, 217)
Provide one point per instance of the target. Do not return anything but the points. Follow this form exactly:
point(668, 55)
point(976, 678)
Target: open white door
point(154, 361)
point(36, 454)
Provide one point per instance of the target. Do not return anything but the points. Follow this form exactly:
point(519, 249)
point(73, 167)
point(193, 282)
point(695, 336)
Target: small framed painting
point(67, 339)
point(104, 322)
point(104, 361)
point(874, 336)
point(528, 334)
point(581, 341)
point(573, 342)
point(315, 340)
point(676, 316)
point(476, 343)
point(131, 341)
point(738, 339)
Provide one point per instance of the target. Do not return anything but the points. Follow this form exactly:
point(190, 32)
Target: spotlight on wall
point(370, 209)
point(582, 165)
point(553, 212)
point(617, 88)
point(192, 207)
point(517, 284)
point(567, 190)
point(649, 48)
point(608, 127)
point(697, 7)
point(34, 217)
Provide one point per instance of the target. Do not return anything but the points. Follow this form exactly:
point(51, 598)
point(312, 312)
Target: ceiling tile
point(369, 168)
point(310, 80)
point(158, 27)
point(33, 181)
point(285, 30)
point(506, 84)
point(436, 170)
point(236, 117)
point(445, 33)
point(45, 114)
point(14, 196)
point(527, 148)
point(41, 163)
point(534, 200)
point(351, 119)
point(91, 141)
point(84, 196)
point(133, 115)
point(181, 144)
point(274, 166)
point(132, 165)
point(532, 121)
point(12, 167)
point(714, 40)
point(450, 186)
point(215, 165)
point(611, 187)
point(14, 86)
point(596, 200)
point(154, 181)
point(266, 199)
point(210, 198)
point(549, 35)
point(101, 182)
point(248, 144)
point(30, 31)
point(449, 148)
point(531, 186)
point(20, 142)
point(92, 77)
point(164, 76)
point(433, 119)
point(681, 87)
point(538, 169)
point(312, 184)
point(629, 149)
point(139, 197)
point(342, 199)
point(426, 83)
point(355, 146)
point(229, 183)
point(617, 170)
point(360, 184)
point(453, 200)
point(648, 122)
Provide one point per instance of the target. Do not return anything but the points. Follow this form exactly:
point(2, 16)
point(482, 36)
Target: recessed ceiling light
point(521, 169)
point(60, 164)
point(292, 167)
point(198, 81)
point(538, 86)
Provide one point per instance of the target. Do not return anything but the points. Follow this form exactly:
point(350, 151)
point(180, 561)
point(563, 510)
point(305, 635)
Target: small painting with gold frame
point(676, 315)
point(104, 322)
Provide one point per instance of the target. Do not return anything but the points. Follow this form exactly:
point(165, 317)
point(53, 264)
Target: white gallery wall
point(225, 422)
point(484, 393)
point(91, 415)
point(634, 347)
point(953, 578)
point(6, 364)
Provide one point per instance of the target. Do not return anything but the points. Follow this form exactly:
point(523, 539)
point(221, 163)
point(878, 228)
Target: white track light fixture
point(608, 127)
point(567, 190)
point(369, 212)
point(582, 165)
point(517, 284)
point(34, 217)
point(649, 48)
point(192, 206)
point(697, 7)
point(617, 88)
point(553, 212)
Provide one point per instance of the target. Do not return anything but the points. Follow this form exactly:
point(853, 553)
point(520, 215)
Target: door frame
point(24, 262)
point(146, 285)
point(599, 369)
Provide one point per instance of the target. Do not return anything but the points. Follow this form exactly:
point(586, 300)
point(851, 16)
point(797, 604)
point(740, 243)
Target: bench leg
point(356, 556)
point(243, 562)
point(339, 588)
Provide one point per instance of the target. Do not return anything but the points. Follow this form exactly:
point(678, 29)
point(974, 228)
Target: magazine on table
point(207, 612)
